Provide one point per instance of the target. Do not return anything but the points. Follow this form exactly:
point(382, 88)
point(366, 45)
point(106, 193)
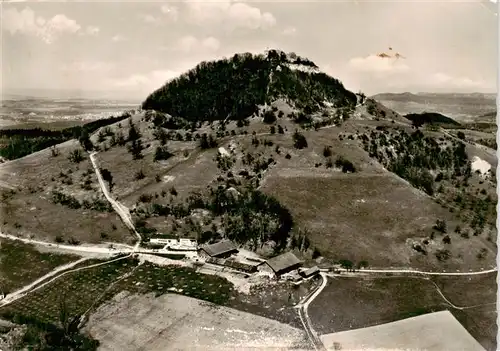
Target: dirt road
point(122, 211)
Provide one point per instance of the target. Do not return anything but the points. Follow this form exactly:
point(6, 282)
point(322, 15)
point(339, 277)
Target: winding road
point(122, 211)
point(304, 316)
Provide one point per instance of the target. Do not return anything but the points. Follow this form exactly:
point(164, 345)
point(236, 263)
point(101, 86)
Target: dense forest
point(233, 88)
point(419, 119)
point(16, 143)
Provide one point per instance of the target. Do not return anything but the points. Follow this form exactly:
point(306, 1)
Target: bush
point(346, 165)
point(440, 226)
point(280, 130)
point(299, 140)
point(269, 117)
point(162, 153)
point(76, 156)
point(316, 253)
point(327, 151)
point(272, 129)
point(207, 142)
point(140, 175)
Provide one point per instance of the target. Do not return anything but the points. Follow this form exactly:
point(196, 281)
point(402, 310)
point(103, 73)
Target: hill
point(291, 161)
point(431, 118)
point(461, 107)
point(235, 88)
point(281, 181)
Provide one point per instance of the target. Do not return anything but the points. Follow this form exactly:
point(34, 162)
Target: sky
point(129, 49)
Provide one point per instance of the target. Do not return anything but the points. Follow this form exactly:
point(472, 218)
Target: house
point(175, 244)
point(230, 263)
point(281, 264)
point(222, 249)
point(310, 272)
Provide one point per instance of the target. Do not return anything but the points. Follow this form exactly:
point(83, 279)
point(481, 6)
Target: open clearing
point(171, 322)
point(349, 303)
point(438, 331)
point(370, 217)
point(21, 264)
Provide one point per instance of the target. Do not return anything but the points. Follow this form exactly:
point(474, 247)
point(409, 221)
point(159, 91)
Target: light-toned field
point(438, 331)
point(349, 303)
point(175, 322)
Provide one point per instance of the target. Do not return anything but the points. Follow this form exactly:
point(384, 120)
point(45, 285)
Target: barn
point(221, 249)
point(281, 264)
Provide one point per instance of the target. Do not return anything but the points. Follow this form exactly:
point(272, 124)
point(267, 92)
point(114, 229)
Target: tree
point(54, 151)
point(362, 97)
point(280, 130)
point(299, 140)
point(346, 264)
point(327, 151)
point(269, 117)
point(106, 175)
point(461, 135)
point(85, 141)
point(140, 175)
point(162, 153)
point(272, 129)
point(363, 264)
point(316, 253)
point(440, 226)
point(161, 135)
point(133, 133)
point(76, 156)
point(136, 149)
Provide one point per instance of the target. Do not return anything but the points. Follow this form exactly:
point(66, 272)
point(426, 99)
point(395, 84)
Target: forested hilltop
point(234, 88)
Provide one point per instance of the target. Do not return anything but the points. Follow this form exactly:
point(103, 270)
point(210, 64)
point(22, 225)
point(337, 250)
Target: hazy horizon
point(126, 50)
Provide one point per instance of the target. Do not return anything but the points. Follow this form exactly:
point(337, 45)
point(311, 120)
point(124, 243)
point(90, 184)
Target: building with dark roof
point(222, 249)
point(307, 273)
point(282, 264)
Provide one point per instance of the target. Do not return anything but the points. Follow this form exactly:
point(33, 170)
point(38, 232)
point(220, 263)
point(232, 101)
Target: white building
point(176, 244)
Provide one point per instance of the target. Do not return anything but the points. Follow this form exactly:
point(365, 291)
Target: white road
point(426, 273)
point(122, 211)
point(304, 315)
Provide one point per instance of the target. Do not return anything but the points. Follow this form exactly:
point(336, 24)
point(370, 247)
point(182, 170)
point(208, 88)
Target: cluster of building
point(224, 253)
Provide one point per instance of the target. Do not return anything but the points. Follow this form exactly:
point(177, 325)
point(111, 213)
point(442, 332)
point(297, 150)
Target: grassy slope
point(371, 215)
point(31, 211)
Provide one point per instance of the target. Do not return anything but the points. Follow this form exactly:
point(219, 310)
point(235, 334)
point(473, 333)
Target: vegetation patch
point(21, 264)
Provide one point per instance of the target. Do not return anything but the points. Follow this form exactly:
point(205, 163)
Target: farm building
point(281, 264)
point(310, 272)
point(240, 266)
point(222, 249)
point(176, 244)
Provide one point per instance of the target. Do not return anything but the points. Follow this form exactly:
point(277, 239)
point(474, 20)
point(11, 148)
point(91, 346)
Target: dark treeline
point(233, 88)
point(17, 143)
point(419, 119)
